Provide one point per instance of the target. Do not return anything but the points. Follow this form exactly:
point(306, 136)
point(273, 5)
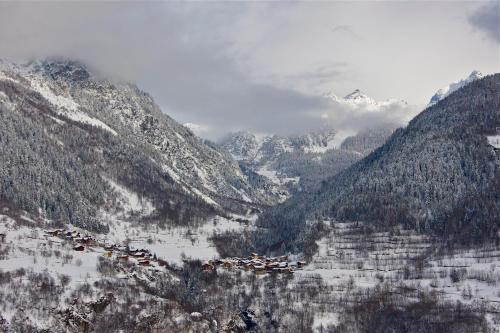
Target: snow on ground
point(84, 118)
point(494, 140)
point(67, 106)
point(130, 201)
point(274, 176)
point(173, 244)
point(58, 100)
point(205, 197)
point(322, 320)
point(29, 247)
point(347, 256)
point(334, 143)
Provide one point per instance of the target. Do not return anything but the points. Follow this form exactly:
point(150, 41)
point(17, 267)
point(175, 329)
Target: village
point(80, 242)
point(256, 263)
point(143, 257)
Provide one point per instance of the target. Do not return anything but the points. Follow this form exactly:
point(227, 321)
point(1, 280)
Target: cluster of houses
point(143, 256)
point(256, 263)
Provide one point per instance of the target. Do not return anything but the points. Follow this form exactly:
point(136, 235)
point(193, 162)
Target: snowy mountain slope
point(445, 91)
point(307, 158)
point(251, 147)
point(439, 175)
point(114, 131)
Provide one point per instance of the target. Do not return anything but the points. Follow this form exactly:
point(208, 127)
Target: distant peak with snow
point(445, 91)
point(359, 100)
point(357, 95)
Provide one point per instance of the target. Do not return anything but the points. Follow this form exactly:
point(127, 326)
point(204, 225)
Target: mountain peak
point(356, 95)
point(445, 91)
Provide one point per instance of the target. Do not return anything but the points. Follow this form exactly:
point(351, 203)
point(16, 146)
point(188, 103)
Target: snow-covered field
point(494, 140)
point(349, 259)
point(173, 244)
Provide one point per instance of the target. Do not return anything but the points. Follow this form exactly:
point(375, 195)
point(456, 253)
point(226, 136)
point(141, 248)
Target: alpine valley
point(114, 217)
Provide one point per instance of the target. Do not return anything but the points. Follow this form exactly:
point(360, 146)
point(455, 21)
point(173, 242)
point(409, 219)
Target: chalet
point(162, 263)
point(79, 248)
point(227, 264)
point(301, 264)
point(206, 267)
point(132, 250)
point(108, 254)
point(272, 265)
point(86, 240)
point(138, 254)
point(123, 257)
point(2, 237)
point(144, 262)
point(52, 232)
point(248, 266)
point(259, 269)
point(282, 265)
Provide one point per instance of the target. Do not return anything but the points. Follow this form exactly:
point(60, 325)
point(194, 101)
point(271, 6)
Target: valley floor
point(46, 285)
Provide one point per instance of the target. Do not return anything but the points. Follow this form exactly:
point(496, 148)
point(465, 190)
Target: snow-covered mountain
point(445, 91)
point(110, 137)
point(308, 158)
point(251, 147)
point(440, 174)
point(359, 100)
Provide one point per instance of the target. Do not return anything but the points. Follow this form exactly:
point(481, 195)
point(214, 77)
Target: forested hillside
point(74, 146)
point(438, 175)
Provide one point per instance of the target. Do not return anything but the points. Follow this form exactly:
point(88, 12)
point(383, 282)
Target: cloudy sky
point(265, 66)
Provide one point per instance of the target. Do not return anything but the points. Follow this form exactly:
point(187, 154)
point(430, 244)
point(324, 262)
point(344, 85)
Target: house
point(272, 265)
point(144, 262)
point(2, 237)
point(79, 248)
point(206, 267)
point(108, 254)
point(227, 264)
point(123, 258)
point(301, 264)
point(52, 232)
point(162, 263)
point(259, 269)
point(248, 266)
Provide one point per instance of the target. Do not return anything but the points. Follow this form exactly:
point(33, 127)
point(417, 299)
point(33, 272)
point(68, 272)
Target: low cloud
point(203, 66)
point(354, 118)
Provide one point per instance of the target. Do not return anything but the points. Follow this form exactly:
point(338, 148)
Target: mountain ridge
point(439, 174)
point(57, 98)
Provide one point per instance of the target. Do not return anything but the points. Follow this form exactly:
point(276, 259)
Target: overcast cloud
point(263, 66)
point(487, 20)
